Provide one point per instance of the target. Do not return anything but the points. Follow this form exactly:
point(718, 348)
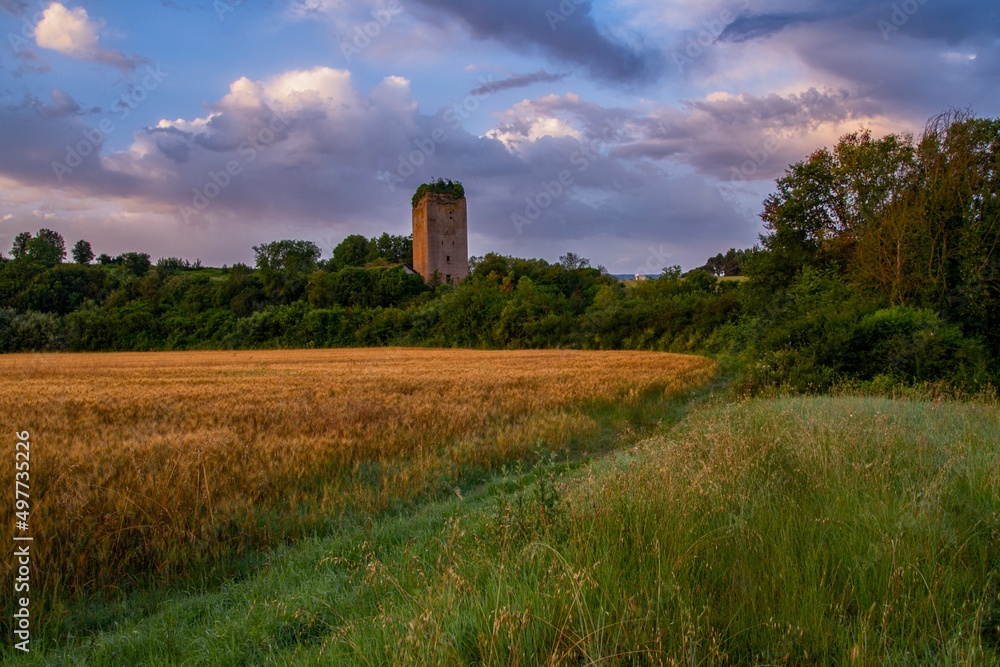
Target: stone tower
point(441, 237)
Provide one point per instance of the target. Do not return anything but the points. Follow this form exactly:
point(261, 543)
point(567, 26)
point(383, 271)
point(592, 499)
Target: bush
point(30, 332)
point(914, 345)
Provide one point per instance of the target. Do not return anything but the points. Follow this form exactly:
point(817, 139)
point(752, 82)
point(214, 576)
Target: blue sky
point(638, 133)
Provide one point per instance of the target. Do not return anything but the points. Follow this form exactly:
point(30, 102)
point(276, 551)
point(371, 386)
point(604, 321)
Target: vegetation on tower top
point(441, 187)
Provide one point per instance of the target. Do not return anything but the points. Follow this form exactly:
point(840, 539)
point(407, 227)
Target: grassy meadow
point(169, 469)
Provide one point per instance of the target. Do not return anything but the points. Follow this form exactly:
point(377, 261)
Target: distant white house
point(641, 276)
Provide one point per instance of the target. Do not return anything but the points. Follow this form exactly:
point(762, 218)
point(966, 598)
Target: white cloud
point(530, 120)
point(318, 87)
point(71, 32)
point(68, 31)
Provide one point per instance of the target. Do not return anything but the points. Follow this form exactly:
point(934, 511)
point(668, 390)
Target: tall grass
point(152, 469)
point(816, 531)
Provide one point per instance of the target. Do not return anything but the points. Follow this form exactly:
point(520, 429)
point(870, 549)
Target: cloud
point(558, 116)
point(866, 18)
point(905, 61)
point(518, 81)
point(30, 63)
point(47, 133)
point(72, 33)
point(746, 136)
point(715, 136)
point(62, 105)
point(15, 7)
point(759, 26)
point(567, 32)
point(308, 154)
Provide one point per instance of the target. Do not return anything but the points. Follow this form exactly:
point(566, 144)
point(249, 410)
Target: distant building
point(641, 276)
point(441, 237)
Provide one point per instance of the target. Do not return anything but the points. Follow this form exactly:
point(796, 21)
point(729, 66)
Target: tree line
point(879, 264)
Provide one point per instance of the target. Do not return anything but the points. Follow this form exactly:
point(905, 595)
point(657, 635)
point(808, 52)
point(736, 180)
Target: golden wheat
point(148, 464)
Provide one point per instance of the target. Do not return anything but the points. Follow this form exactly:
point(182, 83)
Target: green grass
point(826, 531)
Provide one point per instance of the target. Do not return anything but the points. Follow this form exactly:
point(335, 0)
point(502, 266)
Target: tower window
point(447, 258)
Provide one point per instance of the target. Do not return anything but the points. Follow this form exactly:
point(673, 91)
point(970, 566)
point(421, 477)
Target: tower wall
point(441, 237)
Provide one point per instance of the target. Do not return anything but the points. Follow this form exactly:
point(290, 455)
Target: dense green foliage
point(440, 187)
point(729, 264)
point(880, 264)
point(356, 250)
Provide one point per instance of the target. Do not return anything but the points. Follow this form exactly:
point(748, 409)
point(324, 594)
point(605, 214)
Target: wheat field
point(153, 465)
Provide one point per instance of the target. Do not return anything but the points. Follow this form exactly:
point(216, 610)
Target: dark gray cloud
point(566, 31)
point(63, 104)
point(796, 111)
point(757, 26)
point(38, 136)
point(15, 7)
point(950, 23)
point(518, 81)
point(30, 63)
point(174, 144)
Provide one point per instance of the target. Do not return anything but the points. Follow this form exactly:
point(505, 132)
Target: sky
point(640, 134)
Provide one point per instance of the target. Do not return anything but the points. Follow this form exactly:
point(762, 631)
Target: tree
point(571, 261)
point(47, 247)
point(490, 264)
point(938, 242)
point(352, 251)
point(137, 263)
point(285, 267)
point(958, 217)
point(394, 249)
point(825, 203)
point(730, 264)
point(242, 292)
point(62, 289)
point(82, 252)
point(20, 248)
point(287, 255)
point(885, 259)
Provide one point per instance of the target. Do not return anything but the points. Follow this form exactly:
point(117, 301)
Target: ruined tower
point(441, 232)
